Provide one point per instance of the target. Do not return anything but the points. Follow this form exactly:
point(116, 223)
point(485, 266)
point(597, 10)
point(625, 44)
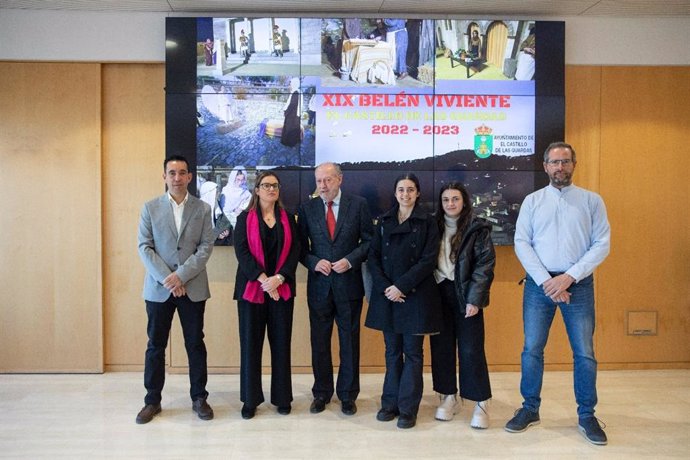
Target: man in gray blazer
point(175, 242)
point(335, 230)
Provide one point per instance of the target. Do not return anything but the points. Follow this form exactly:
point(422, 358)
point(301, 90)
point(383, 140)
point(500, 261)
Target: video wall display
point(468, 100)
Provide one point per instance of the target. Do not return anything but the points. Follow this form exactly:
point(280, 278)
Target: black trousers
point(346, 314)
point(464, 336)
point(160, 316)
point(255, 320)
point(403, 384)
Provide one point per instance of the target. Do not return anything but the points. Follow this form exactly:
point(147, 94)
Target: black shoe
point(407, 421)
point(591, 430)
point(348, 407)
point(248, 412)
point(522, 420)
point(284, 410)
point(202, 409)
point(147, 413)
point(318, 405)
point(386, 415)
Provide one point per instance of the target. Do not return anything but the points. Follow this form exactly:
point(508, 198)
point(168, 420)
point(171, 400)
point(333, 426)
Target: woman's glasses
point(266, 186)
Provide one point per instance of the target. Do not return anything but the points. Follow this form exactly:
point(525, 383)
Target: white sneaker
point(480, 417)
point(447, 408)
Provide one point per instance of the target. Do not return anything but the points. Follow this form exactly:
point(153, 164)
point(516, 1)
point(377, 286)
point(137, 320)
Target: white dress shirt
point(178, 209)
point(336, 205)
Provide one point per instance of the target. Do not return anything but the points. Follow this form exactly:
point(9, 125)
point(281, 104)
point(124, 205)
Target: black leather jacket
point(474, 265)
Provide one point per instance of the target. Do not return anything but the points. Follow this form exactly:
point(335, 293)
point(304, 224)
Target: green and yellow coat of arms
point(483, 141)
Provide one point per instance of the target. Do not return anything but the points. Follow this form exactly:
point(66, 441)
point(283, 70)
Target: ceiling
point(534, 8)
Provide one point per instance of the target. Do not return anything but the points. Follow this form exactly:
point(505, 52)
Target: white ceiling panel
point(86, 5)
point(494, 7)
point(277, 7)
point(634, 8)
point(533, 8)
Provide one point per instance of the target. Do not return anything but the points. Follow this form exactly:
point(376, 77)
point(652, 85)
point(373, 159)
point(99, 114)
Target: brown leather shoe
point(202, 409)
point(147, 413)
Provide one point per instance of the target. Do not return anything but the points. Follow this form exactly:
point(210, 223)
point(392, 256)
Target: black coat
point(248, 268)
point(353, 232)
point(474, 265)
point(404, 255)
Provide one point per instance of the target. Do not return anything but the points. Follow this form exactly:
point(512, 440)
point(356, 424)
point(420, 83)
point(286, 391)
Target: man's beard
point(564, 180)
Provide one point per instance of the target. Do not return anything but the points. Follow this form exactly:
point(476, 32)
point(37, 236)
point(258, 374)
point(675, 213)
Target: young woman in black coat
point(464, 274)
point(404, 300)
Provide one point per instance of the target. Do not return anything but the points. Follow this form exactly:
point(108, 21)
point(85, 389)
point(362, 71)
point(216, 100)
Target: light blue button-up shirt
point(562, 230)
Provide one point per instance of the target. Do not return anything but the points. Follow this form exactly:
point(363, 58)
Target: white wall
point(28, 35)
point(35, 35)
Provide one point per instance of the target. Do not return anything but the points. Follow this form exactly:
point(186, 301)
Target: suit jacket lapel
point(169, 215)
point(189, 210)
point(319, 210)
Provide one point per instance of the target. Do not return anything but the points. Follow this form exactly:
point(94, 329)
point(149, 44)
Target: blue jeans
point(538, 311)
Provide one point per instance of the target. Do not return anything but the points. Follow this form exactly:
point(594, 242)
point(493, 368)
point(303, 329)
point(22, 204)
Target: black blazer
point(405, 255)
point(248, 268)
point(353, 233)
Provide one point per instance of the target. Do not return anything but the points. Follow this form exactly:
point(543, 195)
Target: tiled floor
point(647, 414)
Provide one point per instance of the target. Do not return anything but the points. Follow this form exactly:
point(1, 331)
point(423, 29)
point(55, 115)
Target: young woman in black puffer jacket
point(464, 274)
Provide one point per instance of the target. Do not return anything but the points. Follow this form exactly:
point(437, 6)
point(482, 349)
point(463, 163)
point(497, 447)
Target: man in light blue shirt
point(562, 235)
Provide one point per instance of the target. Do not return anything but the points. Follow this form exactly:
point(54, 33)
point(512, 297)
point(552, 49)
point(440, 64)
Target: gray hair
point(335, 166)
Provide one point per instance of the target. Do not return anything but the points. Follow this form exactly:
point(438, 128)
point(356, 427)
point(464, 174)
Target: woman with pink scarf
point(267, 250)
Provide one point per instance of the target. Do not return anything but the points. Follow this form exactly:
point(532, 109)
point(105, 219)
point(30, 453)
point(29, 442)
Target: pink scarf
point(253, 292)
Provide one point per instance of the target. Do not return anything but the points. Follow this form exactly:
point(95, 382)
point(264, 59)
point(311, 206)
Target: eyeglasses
point(266, 186)
point(564, 162)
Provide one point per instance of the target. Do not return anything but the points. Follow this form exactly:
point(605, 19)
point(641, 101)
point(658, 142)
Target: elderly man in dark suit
point(335, 230)
point(175, 242)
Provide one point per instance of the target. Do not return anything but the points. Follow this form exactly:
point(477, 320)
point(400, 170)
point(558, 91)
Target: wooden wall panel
point(50, 215)
point(644, 166)
point(133, 152)
point(626, 124)
point(503, 317)
point(583, 122)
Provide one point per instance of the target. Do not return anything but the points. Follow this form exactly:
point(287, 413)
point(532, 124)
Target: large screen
point(469, 100)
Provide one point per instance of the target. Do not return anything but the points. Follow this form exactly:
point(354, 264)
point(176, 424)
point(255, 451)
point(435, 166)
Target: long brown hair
point(464, 218)
point(254, 202)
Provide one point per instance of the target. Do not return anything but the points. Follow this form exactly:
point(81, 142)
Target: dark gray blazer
point(163, 251)
point(353, 232)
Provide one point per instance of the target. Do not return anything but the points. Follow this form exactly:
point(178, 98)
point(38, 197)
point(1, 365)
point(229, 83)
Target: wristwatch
point(281, 278)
